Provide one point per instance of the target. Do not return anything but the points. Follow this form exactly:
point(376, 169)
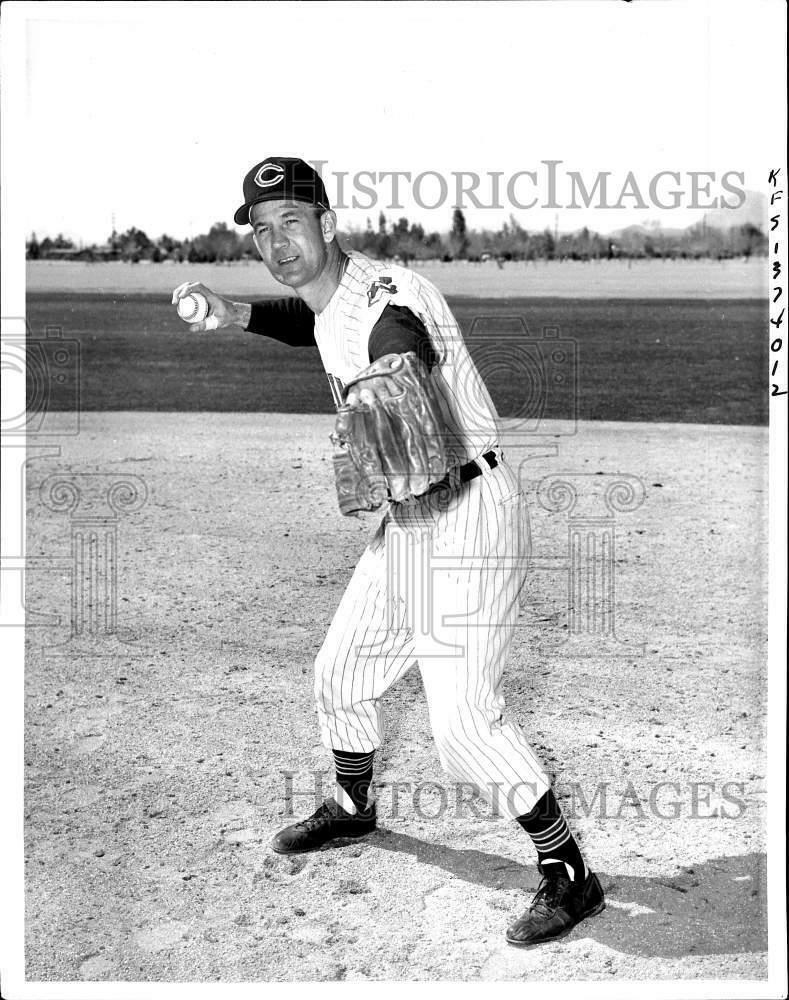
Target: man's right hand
point(222, 312)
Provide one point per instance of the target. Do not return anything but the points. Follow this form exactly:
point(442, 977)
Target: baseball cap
point(281, 178)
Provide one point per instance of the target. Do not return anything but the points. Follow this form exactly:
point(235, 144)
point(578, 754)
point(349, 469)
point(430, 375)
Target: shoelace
point(549, 892)
point(317, 817)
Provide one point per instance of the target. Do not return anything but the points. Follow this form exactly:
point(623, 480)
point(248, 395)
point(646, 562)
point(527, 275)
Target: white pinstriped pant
point(438, 585)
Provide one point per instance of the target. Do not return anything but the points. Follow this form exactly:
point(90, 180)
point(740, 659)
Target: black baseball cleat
point(558, 905)
point(329, 822)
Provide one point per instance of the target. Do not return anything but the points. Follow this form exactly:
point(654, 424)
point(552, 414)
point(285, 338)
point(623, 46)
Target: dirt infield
point(157, 762)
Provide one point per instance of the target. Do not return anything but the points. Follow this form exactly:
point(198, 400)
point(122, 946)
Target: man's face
point(290, 240)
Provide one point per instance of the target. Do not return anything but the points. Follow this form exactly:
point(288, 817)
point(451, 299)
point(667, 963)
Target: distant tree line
point(406, 241)
point(218, 244)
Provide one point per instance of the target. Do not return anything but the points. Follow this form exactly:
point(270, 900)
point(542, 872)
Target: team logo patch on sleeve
point(378, 286)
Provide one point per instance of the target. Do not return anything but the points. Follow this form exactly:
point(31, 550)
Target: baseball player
point(463, 528)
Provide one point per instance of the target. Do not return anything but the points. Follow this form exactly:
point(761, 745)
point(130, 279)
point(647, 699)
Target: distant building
point(61, 253)
point(106, 251)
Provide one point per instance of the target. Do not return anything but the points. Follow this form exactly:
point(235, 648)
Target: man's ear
point(328, 225)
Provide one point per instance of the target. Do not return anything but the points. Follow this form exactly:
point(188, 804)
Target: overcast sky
point(154, 113)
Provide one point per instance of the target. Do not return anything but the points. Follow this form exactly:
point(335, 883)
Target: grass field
point(667, 360)
point(682, 279)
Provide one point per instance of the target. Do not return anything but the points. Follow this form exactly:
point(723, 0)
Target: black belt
point(465, 473)
point(471, 470)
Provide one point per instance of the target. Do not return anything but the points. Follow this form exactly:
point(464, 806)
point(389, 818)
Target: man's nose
point(279, 239)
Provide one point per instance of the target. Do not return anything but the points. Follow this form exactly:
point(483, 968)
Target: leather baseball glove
point(388, 436)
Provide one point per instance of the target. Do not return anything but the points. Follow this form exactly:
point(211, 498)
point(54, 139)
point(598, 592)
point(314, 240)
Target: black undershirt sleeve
point(292, 322)
point(397, 331)
point(288, 320)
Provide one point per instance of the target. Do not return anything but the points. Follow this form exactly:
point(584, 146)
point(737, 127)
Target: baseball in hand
point(193, 308)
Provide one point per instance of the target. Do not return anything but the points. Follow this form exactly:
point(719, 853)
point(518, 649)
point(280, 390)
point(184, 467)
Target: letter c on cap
point(269, 174)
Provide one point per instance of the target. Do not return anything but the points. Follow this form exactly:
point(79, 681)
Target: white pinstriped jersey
point(438, 584)
point(342, 332)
